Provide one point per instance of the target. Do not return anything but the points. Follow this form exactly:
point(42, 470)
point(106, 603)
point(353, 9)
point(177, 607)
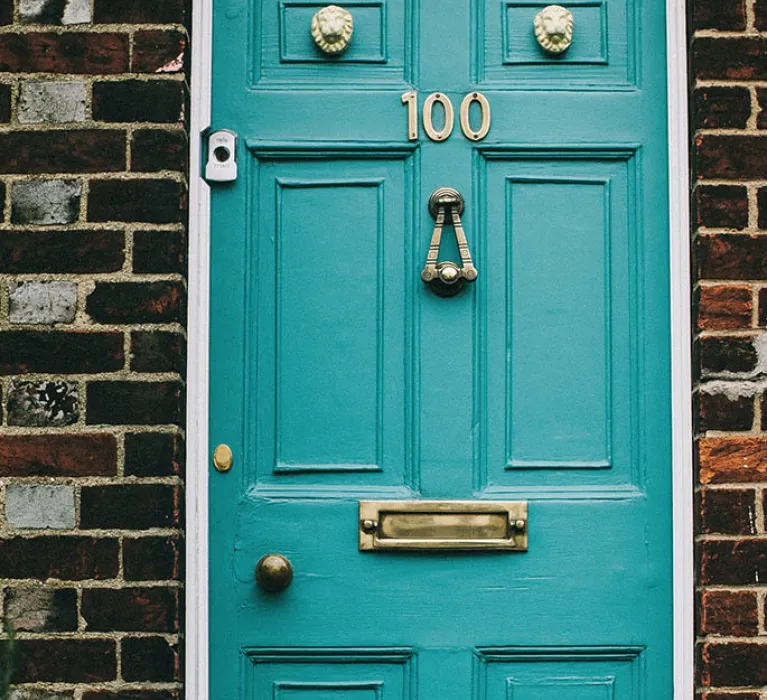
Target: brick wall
point(729, 74)
point(92, 344)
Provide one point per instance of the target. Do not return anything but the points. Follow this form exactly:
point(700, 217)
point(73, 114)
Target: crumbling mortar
point(18, 28)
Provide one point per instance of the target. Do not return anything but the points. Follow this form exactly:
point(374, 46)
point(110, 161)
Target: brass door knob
point(274, 573)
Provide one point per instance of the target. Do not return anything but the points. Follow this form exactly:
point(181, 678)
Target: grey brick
point(40, 507)
point(49, 101)
point(42, 302)
point(41, 609)
point(40, 694)
point(43, 404)
point(55, 11)
point(45, 201)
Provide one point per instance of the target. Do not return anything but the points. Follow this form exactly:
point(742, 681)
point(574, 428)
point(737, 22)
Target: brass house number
point(410, 99)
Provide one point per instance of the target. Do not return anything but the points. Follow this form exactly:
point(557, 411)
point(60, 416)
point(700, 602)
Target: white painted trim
point(681, 363)
point(196, 583)
point(197, 376)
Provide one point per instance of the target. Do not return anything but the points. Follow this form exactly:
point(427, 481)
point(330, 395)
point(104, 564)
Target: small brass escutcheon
point(223, 458)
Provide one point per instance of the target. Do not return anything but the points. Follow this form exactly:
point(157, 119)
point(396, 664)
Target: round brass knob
point(274, 573)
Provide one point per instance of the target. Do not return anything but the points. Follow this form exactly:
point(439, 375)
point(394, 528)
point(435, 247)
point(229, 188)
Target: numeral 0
point(410, 98)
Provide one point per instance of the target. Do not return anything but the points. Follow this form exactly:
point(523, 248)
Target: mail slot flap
point(429, 525)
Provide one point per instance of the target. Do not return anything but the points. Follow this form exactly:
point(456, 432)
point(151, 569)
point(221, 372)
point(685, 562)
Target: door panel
point(338, 376)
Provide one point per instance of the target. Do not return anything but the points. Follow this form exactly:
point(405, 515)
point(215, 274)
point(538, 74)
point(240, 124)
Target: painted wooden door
point(338, 376)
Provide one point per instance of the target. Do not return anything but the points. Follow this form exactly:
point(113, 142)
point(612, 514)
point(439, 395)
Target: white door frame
point(197, 449)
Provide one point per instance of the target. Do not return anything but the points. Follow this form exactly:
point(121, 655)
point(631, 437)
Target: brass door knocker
point(445, 278)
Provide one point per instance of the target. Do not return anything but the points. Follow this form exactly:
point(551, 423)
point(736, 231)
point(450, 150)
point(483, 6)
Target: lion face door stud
point(445, 278)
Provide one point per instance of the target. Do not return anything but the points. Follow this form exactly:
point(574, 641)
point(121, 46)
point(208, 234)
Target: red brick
point(732, 562)
point(733, 664)
point(60, 352)
point(721, 107)
point(730, 512)
point(734, 460)
point(159, 51)
point(727, 15)
point(724, 307)
point(72, 52)
point(69, 151)
point(66, 660)
point(58, 455)
point(721, 206)
point(153, 559)
point(129, 506)
point(149, 659)
point(732, 58)
point(61, 251)
point(61, 557)
point(137, 302)
point(152, 201)
point(135, 403)
point(731, 257)
point(131, 610)
point(719, 412)
point(729, 613)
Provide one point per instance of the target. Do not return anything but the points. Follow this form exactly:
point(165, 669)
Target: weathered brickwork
point(729, 204)
point(93, 182)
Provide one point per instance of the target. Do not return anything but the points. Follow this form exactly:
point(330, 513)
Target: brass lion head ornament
point(554, 28)
point(332, 29)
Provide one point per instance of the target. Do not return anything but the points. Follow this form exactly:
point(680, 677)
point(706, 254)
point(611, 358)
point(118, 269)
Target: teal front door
point(339, 376)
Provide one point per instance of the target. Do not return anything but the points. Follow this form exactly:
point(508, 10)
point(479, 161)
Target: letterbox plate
point(430, 525)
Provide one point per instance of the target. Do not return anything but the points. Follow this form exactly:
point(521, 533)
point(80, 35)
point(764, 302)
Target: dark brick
point(5, 102)
point(141, 11)
point(131, 610)
point(135, 403)
point(157, 351)
point(136, 695)
point(154, 454)
point(66, 660)
point(732, 563)
point(727, 512)
point(730, 613)
point(159, 51)
point(153, 559)
point(761, 118)
point(731, 257)
point(154, 150)
point(763, 307)
point(738, 460)
point(727, 354)
point(731, 58)
point(71, 52)
point(159, 251)
point(60, 352)
point(149, 659)
point(764, 412)
point(61, 251)
point(730, 696)
point(733, 664)
point(129, 506)
point(86, 151)
point(41, 609)
point(723, 206)
point(761, 198)
point(138, 101)
point(731, 157)
point(6, 12)
point(721, 107)
point(58, 455)
point(149, 201)
point(66, 558)
point(2, 212)
point(719, 412)
point(760, 15)
point(727, 15)
point(137, 302)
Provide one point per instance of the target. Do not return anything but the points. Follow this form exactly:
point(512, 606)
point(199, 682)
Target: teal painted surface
point(337, 376)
